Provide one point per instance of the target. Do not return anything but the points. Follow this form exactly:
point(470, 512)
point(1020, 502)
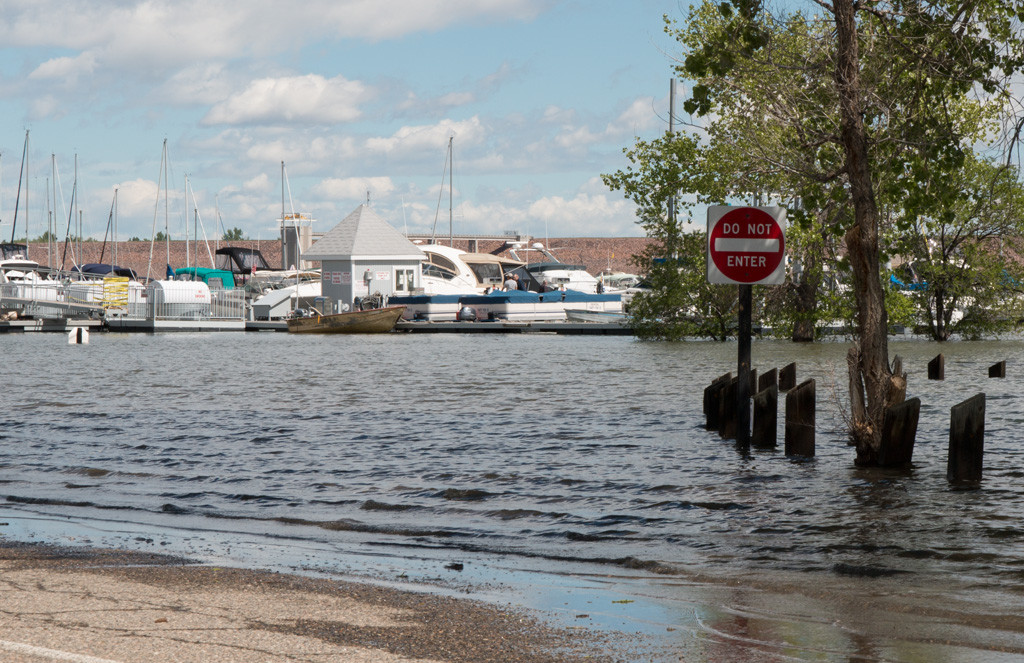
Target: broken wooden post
point(768, 379)
point(997, 370)
point(787, 377)
point(937, 368)
point(800, 419)
point(727, 410)
point(899, 428)
point(766, 417)
point(966, 439)
point(711, 398)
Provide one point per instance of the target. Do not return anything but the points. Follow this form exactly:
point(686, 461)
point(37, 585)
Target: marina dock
point(147, 326)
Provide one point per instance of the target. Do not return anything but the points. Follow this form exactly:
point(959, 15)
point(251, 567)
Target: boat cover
point(103, 269)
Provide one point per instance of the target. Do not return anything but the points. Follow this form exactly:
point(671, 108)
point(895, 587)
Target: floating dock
point(499, 327)
point(145, 326)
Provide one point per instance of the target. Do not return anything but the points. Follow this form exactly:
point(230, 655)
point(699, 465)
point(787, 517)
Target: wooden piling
point(966, 440)
point(787, 377)
point(766, 417)
point(768, 379)
point(997, 370)
point(711, 399)
point(727, 410)
point(899, 428)
point(937, 368)
point(800, 406)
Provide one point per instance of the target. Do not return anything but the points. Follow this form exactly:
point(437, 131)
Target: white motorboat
point(451, 271)
point(279, 302)
point(553, 274)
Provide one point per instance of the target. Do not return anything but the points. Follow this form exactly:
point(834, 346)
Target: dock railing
point(113, 297)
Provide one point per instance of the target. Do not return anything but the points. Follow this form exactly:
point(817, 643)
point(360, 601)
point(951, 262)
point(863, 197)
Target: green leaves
point(934, 93)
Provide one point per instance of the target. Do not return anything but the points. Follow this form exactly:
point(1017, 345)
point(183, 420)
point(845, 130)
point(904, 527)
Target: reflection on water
point(578, 449)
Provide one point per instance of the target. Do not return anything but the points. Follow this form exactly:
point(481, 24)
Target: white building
point(363, 256)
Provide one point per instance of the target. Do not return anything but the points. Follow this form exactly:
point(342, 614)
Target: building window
point(404, 280)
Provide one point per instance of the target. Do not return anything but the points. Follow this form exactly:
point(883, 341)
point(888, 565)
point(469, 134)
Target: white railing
point(56, 300)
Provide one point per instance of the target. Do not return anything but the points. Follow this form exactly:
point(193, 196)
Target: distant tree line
point(232, 235)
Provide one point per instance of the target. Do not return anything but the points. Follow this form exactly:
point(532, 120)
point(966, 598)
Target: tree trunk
point(805, 295)
point(872, 362)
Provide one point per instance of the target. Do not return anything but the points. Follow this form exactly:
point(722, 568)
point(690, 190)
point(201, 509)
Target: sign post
point(746, 246)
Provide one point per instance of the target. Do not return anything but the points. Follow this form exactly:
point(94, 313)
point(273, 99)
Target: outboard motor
point(467, 314)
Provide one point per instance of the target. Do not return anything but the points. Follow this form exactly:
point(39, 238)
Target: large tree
point(873, 104)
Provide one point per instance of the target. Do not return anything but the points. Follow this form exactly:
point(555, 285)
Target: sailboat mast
point(167, 204)
point(114, 238)
point(17, 199)
point(51, 242)
point(26, 196)
point(451, 170)
point(188, 254)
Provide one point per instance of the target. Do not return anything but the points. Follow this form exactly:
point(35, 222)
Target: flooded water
point(583, 453)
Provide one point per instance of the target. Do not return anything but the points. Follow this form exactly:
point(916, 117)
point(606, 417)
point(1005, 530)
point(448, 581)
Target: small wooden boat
point(371, 321)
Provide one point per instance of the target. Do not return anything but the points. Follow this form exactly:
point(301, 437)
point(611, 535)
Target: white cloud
point(585, 215)
point(65, 67)
point(47, 106)
point(354, 187)
point(581, 215)
point(639, 117)
point(556, 115)
point(309, 98)
point(166, 33)
point(577, 138)
point(453, 99)
point(202, 83)
point(258, 184)
point(429, 137)
point(138, 208)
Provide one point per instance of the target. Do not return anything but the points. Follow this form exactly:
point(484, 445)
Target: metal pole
point(671, 130)
point(743, 367)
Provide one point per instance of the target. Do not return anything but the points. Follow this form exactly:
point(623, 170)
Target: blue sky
point(355, 96)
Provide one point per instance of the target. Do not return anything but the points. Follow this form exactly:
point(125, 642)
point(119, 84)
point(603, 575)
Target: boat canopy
point(240, 260)
point(11, 250)
point(215, 278)
point(103, 269)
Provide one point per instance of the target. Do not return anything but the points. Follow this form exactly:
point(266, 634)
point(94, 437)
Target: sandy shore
point(93, 606)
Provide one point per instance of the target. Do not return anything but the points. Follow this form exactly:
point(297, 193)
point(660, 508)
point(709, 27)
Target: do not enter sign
point(746, 245)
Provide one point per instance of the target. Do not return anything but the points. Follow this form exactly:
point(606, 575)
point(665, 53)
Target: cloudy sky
point(356, 97)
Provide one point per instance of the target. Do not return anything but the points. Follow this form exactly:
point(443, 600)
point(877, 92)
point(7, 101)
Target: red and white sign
point(746, 245)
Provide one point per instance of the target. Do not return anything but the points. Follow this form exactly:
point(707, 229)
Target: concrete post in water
point(937, 368)
point(787, 377)
point(899, 428)
point(766, 417)
point(966, 439)
point(997, 370)
point(768, 379)
point(711, 399)
point(800, 407)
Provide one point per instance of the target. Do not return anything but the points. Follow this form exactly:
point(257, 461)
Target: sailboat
point(291, 288)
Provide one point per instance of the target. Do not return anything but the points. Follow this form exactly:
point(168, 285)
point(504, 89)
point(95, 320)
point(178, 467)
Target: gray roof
point(363, 234)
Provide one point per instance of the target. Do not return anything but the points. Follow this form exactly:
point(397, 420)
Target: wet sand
point(94, 606)
point(88, 605)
